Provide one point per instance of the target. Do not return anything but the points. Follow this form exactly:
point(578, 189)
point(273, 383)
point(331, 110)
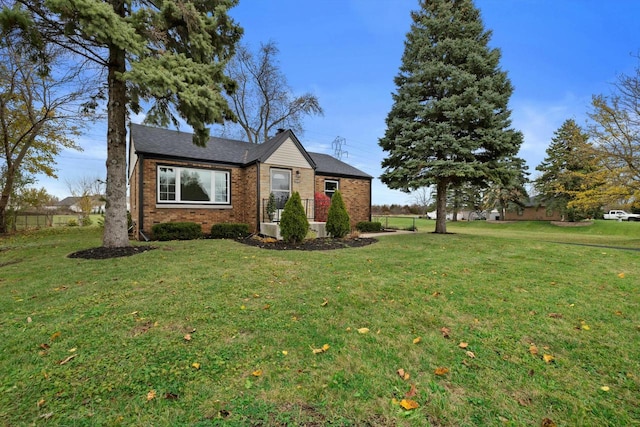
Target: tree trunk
point(4, 198)
point(441, 206)
point(115, 219)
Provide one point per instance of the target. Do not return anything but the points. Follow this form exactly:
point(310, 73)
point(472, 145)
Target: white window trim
point(286, 171)
point(192, 203)
point(334, 181)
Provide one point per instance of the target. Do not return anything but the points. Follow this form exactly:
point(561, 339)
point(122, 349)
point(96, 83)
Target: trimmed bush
point(338, 219)
point(177, 231)
point(369, 226)
point(293, 223)
point(322, 203)
point(229, 231)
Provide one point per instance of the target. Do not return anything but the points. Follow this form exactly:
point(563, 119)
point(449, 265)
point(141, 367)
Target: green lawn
point(88, 342)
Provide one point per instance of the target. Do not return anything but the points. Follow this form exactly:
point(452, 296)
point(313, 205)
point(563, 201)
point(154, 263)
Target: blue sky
point(347, 52)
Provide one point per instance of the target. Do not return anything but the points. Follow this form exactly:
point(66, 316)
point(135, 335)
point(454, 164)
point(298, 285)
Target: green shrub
point(229, 231)
point(86, 221)
point(338, 219)
point(72, 223)
point(293, 223)
point(369, 226)
point(176, 231)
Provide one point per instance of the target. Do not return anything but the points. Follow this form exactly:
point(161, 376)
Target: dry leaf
point(55, 335)
point(40, 403)
point(416, 340)
point(321, 349)
point(324, 302)
point(66, 360)
point(257, 373)
point(409, 404)
point(195, 365)
point(187, 337)
point(555, 315)
point(285, 352)
point(44, 346)
point(436, 294)
point(533, 350)
point(170, 396)
point(266, 307)
point(412, 391)
point(548, 358)
point(151, 395)
point(548, 423)
point(363, 330)
point(463, 345)
point(471, 355)
point(621, 275)
point(29, 320)
point(403, 374)
point(604, 388)
point(585, 327)
point(445, 332)
point(441, 371)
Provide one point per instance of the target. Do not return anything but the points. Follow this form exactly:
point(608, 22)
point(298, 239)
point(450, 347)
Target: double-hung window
point(193, 186)
point(330, 187)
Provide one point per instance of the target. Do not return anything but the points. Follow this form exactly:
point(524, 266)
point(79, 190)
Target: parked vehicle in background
point(622, 216)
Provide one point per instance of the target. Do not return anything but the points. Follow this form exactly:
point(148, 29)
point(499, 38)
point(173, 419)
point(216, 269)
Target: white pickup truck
point(622, 216)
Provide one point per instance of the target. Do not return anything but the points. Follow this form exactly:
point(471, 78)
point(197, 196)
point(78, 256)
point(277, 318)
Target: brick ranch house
point(228, 181)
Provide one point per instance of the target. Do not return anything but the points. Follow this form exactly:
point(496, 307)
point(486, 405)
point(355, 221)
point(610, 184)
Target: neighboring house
point(73, 204)
point(173, 180)
point(533, 210)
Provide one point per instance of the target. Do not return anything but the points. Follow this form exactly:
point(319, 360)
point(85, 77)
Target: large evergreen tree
point(570, 160)
point(450, 122)
point(171, 53)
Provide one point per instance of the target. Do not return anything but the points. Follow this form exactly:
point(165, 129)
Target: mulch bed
point(308, 245)
point(107, 253)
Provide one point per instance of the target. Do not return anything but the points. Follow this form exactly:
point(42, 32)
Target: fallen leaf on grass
point(40, 403)
point(409, 404)
point(151, 395)
point(46, 416)
point(533, 350)
point(55, 335)
point(66, 360)
point(445, 332)
point(403, 374)
point(195, 365)
point(363, 330)
point(412, 391)
point(324, 302)
point(45, 346)
point(257, 373)
point(555, 315)
point(621, 275)
point(416, 340)
point(548, 358)
point(171, 396)
point(471, 354)
point(547, 423)
point(604, 388)
point(187, 337)
point(322, 349)
point(463, 345)
point(441, 371)
point(29, 320)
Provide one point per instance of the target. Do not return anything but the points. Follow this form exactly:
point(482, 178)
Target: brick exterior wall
point(245, 198)
point(243, 208)
point(356, 194)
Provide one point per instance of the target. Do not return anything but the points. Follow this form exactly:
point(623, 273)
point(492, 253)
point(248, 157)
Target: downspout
point(370, 197)
point(258, 196)
point(140, 197)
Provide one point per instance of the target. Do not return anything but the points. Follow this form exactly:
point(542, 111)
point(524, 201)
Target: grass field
point(496, 324)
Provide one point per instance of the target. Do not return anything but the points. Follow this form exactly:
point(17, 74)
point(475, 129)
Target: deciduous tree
point(38, 115)
point(169, 53)
point(450, 122)
point(264, 101)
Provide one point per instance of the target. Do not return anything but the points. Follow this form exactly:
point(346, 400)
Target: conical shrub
point(338, 218)
point(293, 223)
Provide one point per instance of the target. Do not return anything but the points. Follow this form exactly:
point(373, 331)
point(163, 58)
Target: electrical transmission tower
point(337, 144)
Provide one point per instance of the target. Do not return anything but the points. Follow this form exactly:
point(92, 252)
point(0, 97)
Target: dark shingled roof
point(169, 143)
